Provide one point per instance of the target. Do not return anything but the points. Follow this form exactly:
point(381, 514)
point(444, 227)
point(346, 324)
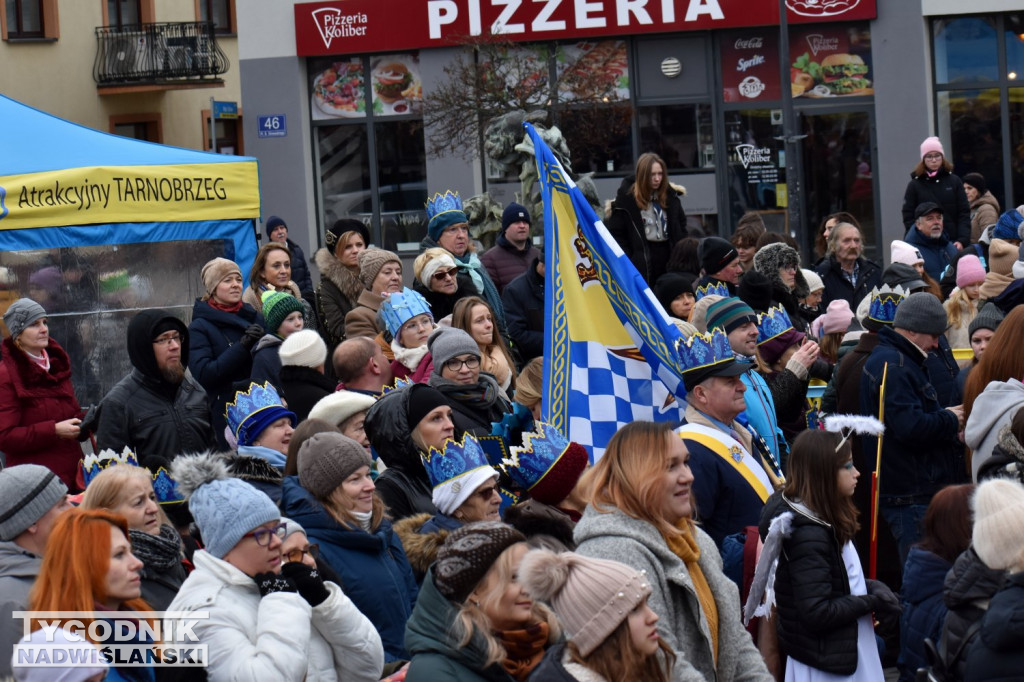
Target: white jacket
point(277, 637)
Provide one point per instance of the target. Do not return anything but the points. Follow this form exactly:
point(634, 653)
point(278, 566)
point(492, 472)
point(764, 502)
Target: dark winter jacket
point(153, 417)
point(266, 363)
point(18, 571)
point(984, 212)
point(923, 608)
point(946, 190)
point(443, 305)
point(943, 371)
point(504, 262)
point(32, 401)
point(404, 486)
point(300, 269)
point(422, 536)
point(938, 252)
point(996, 652)
point(626, 225)
point(920, 452)
point(303, 387)
point(336, 295)
point(474, 408)
point(551, 668)
point(217, 359)
point(837, 287)
point(967, 591)
point(817, 622)
point(435, 652)
point(373, 568)
point(524, 310)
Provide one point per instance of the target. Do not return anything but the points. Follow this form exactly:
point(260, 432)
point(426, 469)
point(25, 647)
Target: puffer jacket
point(993, 409)
point(920, 452)
point(967, 591)
point(946, 190)
point(626, 225)
point(300, 268)
point(266, 363)
point(524, 309)
point(435, 654)
point(373, 568)
point(996, 652)
point(817, 622)
point(923, 608)
point(615, 535)
point(279, 636)
point(217, 360)
point(336, 295)
point(156, 419)
point(18, 571)
point(984, 212)
point(404, 486)
point(32, 401)
point(504, 262)
point(938, 252)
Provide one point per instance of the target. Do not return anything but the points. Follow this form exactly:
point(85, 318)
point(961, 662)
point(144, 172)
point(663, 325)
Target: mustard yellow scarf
point(684, 545)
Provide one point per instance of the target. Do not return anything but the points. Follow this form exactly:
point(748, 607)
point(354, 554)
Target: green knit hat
point(278, 305)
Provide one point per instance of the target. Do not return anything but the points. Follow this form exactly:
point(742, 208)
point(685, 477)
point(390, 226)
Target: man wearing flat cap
point(927, 236)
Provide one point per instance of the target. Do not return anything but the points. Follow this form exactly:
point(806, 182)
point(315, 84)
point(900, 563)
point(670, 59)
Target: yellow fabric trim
point(720, 449)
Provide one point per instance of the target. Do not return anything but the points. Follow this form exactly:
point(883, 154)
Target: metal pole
point(791, 138)
point(213, 129)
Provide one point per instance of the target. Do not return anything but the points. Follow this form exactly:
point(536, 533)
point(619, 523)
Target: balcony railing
point(157, 53)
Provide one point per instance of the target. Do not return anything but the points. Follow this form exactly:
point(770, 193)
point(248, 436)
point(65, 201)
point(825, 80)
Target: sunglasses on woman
point(442, 275)
point(296, 555)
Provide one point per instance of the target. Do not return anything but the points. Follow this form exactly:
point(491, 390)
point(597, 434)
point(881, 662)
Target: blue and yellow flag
point(609, 347)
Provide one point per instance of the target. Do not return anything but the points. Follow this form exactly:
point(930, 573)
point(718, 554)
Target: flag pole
point(873, 560)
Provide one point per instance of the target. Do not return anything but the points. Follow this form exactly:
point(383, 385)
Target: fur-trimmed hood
point(420, 548)
point(771, 258)
point(339, 275)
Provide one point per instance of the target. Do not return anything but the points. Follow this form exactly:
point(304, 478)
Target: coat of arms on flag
point(609, 347)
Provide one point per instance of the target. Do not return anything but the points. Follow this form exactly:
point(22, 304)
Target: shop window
point(599, 137)
point(401, 185)
point(681, 134)
point(1016, 151)
point(965, 50)
point(1013, 31)
point(228, 132)
point(221, 13)
point(148, 127)
point(756, 160)
point(29, 19)
point(971, 121)
point(344, 155)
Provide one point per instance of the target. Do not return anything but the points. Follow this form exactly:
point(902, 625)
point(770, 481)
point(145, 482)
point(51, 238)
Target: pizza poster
point(338, 89)
point(750, 65)
point(830, 61)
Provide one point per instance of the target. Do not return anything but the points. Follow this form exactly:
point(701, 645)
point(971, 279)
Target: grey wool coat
point(619, 537)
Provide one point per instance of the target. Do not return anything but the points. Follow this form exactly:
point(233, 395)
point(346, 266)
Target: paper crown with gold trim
point(444, 210)
point(547, 465)
point(402, 306)
point(883, 303)
point(399, 383)
point(772, 323)
point(702, 356)
point(714, 288)
point(163, 485)
point(254, 410)
point(457, 470)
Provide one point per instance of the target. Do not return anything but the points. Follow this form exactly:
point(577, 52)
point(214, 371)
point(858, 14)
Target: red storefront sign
point(356, 26)
point(750, 66)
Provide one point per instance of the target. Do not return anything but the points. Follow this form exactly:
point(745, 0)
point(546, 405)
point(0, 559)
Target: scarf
point(159, 552)
point(493, 362)
point(524, 649)
point(481, 395)
point(272, 457)
point(363, 519)
point(225, 308)
point(410, 358)
point(994, 285)
point(470, 263)
point(686, 548)
point(42, 360)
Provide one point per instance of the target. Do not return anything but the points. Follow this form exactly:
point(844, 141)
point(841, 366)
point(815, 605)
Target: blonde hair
point(472, 617)
point(530, 384)
point(107, 490)
point(958, 306)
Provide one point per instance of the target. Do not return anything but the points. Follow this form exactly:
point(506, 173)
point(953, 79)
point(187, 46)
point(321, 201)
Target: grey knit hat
point(468, 553)
point(370, 263)
point(447, 342)
point(988, 317)
point(27, 492)
point(291, 526)
point(922, 313)
point(326, 460)
point(21, 315)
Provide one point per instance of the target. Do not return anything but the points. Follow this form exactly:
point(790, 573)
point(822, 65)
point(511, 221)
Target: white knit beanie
point(340, 405)
point(303, 348)
point(814, 282)
point(902, 252)
point(998, 535)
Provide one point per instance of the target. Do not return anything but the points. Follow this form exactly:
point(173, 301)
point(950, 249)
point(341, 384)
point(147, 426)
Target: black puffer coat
point(967, 591)
point(996, 652)
point(817, 622)
point(404, 486)
point(946, 190)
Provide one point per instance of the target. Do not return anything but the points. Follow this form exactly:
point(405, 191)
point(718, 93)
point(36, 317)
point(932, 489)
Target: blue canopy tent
point(95, 227)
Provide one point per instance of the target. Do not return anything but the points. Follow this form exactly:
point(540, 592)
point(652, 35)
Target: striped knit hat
point(729, 314)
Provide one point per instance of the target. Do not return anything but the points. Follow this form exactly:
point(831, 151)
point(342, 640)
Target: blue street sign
point(274, 125)
point(225, 109)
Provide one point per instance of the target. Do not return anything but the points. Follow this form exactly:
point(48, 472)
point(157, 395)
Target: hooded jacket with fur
point(993, 409)
point(336, 294)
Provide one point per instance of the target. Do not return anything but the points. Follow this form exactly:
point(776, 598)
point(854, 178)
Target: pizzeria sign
point(360, 26)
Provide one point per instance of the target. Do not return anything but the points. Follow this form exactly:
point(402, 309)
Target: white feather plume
point(856, 423)
point(761, 597)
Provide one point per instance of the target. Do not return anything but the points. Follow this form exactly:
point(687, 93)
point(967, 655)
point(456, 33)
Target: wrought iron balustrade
point(157, 53)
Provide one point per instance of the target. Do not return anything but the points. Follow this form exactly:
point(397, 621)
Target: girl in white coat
point(267, 619)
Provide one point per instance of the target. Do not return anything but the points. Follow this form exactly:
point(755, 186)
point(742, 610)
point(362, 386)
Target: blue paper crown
point(443, 203)
point(712, 289)
point(402, 306)
point(773, 323)
point(528, 463)
point(704, 350)
point(884, 302)
point(399, 383)
point(247, 405)
point(455, 460)
point(163, 485)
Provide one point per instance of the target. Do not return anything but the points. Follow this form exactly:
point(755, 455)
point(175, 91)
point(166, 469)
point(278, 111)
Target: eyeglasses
point(455, 364)
point(418, 323)
point(486, 493)
point(296, 555)
point(164, 340)
point(933, 155)
point(262, 535)
point(442, 275)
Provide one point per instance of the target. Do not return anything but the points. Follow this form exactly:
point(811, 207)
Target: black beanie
point(715, 253)
point(670, 286)
point(977, 181)
point(273, 222)
point(423, 399)
point(514, 213)
point(755, 290)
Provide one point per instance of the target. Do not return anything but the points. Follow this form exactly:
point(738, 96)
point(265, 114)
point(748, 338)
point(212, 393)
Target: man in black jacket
point(523, 299)
point(159, 411)
point(847, 275)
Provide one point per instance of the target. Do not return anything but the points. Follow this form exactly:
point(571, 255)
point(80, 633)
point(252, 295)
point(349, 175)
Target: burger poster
point(827, 61)
point(750, 66)
point(395, 83)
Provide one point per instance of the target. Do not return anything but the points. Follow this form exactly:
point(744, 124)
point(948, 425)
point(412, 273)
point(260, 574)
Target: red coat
point(32, 401)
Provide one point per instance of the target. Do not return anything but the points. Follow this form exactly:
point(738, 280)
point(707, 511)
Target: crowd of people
point(353, 479)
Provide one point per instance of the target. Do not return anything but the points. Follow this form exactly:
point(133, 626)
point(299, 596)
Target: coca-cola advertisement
point(750, 66)
point(830, 61)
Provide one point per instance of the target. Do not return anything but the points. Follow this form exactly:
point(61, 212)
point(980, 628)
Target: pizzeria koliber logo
point(332, 23)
